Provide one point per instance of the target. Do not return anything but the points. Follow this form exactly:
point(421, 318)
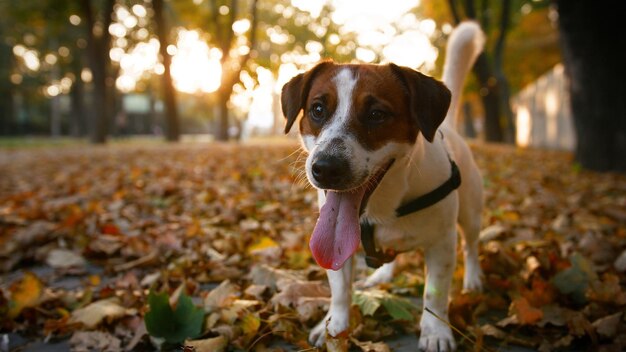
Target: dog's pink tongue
point(337, 233)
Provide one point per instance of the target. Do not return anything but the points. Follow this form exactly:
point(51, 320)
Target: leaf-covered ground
point(205, 246)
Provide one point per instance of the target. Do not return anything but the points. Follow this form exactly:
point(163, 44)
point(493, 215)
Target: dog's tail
point(464, 45)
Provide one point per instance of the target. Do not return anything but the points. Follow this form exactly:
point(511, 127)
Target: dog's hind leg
point(469, 220)
point(382, 275)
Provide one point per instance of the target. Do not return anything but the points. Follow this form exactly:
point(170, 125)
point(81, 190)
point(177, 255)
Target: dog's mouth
point(337, 232)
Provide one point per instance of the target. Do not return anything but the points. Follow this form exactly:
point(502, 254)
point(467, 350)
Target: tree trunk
point(77, 102)
point(593, 51)
point(230, 72)
point(223, 116)
point(172, 125)
point(490, 95)
point(98, 53)
point(7, 122)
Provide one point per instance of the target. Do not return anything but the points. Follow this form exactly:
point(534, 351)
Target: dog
point(380, 139)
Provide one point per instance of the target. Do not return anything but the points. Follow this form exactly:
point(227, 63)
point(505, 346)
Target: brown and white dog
point(377, 137)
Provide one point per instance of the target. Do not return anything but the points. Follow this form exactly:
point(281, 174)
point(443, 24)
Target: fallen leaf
point(525, 313)
point(607, 326)
point(250, 324)
point(93, 314)
point(293, 292)
point(620, 262)
point(213, 344)
point(491, 233)
point(65, 259)
point(24, 293)
point(575, 280)
point(369, 346)
point(174, 325)
point(95, 341)
point(221, 296)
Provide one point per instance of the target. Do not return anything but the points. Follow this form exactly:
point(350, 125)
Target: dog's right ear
point(296, 91)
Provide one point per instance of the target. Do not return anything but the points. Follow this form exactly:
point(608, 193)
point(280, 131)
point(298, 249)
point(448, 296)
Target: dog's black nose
point(328, 171)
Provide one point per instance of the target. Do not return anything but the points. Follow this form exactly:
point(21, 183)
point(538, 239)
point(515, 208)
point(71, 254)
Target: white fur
point(418, 169)
point(466, 42)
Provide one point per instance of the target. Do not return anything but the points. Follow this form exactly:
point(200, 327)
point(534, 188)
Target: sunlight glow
point(242, 26)
point(75, 20)
point(195, 67)
point(523, 127)
point(31, 60)
point(139, 10)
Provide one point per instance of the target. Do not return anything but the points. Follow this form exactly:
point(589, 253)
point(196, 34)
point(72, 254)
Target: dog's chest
point(418, 229)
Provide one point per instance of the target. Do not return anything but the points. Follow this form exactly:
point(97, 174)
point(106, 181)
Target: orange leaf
point(526, 314)
point(25, 293)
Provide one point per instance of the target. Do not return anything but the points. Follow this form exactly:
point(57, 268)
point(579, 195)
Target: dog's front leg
point(440, 259)
point(337, 320)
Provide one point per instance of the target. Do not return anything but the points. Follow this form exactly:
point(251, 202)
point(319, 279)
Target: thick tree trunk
point(172, 125)
point(7, 121)
point(98, 53)
point(592, 42)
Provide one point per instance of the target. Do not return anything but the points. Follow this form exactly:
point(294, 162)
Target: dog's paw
point(437, 340)
point(382, 275)
point(473, 279)
point(335, 324)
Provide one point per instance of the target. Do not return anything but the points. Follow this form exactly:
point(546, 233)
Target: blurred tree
point(172, 124)
point(41, 56)
point(593, 45)
point(97, 23)
point(275, 33)
point(7, 123)
point(223, 18)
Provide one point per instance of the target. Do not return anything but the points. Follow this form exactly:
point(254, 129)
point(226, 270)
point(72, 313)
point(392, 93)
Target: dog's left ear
point(296, 91)
point(429, 99)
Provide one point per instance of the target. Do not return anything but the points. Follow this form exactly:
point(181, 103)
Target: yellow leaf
point(250, 324)
point(25, 293)
point(264, 243)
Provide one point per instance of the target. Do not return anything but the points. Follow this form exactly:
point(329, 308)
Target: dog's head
point(357, 119)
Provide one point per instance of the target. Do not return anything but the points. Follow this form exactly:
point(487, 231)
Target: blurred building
point(543, 115)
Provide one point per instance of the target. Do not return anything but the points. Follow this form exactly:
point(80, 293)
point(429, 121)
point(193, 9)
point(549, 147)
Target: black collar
point(374, 257)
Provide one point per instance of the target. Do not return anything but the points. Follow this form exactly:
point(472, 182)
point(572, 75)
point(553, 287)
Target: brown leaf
point(221, 296)
point(294, 291)
point(525, 313)
point(95, 341)
point(607, 326)
point(369, 346)
point(93, 314)
point(213, 344)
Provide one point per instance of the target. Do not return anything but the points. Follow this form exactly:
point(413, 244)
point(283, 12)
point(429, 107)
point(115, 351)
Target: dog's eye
point(318, 112)
point(376, 116)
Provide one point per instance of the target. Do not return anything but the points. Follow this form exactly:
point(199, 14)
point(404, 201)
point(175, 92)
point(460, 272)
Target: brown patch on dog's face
point(380, 108)
point(382, 112)
point(323, 92)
